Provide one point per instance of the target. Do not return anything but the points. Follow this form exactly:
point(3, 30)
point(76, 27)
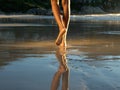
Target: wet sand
point(29, 66)
point(28, 62)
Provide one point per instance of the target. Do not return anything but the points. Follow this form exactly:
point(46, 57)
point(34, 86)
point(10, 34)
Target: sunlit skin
point(62, 20)
point(62, 72)
point(63, 23)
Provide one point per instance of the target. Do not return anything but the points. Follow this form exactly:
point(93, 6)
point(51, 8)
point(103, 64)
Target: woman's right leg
point(66, 18)
point(59, 20)
point(66, 12)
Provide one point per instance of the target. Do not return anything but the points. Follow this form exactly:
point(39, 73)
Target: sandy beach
point(33, 65)
point(28, 58)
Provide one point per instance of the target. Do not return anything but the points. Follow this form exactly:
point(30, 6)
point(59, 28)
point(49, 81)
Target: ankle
point(62, 29)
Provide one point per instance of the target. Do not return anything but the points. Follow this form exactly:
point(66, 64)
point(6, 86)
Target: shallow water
point(28, 56)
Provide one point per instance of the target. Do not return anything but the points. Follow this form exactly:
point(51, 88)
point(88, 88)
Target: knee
point(65, 2)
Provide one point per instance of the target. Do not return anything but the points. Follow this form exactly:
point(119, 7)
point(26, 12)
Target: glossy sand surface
point(28, 57)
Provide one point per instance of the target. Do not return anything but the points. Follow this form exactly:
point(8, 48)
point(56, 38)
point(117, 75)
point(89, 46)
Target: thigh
point(56, 1)
point(65, 2)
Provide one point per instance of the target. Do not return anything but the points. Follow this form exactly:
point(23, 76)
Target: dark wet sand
point(29, 66)
point(29, 63)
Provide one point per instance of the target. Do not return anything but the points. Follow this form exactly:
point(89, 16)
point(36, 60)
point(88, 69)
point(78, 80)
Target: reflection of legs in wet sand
point(63, 70)
point(63, 21)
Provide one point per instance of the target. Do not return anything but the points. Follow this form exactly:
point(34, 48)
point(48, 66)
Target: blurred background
point(39, 7)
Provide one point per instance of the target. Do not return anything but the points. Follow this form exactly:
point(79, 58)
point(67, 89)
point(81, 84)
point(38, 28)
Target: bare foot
point(63, 44)
point(60, 35)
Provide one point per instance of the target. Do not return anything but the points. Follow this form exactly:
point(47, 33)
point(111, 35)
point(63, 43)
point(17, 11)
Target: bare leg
point(66, 17)
point(66, 12)
point(59, 20)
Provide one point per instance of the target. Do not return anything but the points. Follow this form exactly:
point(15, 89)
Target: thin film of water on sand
point(28, 61)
